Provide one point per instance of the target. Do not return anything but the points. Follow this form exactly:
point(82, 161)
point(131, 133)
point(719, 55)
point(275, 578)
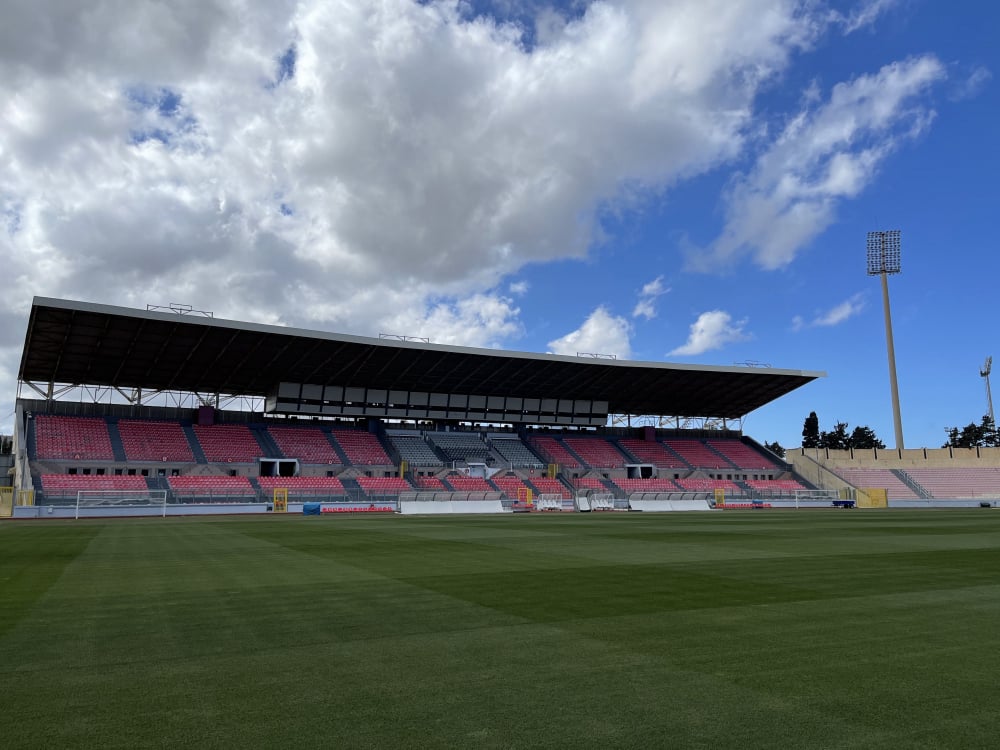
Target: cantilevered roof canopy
point(69, 342)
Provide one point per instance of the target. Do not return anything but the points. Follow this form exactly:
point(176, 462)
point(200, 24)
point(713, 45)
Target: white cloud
point(519, 288)
point(836, 315)
point(864, 14)
point(970, 86)
point(645, 307)
point(480, 320)
point(712, 330)
point(348, 165)
point(821, 158)
point(601, 333)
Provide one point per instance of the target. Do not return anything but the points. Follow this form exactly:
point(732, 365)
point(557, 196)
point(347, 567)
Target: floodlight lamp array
point(884, 252)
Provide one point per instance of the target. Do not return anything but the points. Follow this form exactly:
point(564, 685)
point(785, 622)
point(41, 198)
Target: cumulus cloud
point(823, 156)
point(712, 330)
point(645, 307)
point(836, 315)
point(601, 333)
point(361, 166)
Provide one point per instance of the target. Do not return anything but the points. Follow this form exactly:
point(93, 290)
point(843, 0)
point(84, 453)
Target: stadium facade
point(112, 397)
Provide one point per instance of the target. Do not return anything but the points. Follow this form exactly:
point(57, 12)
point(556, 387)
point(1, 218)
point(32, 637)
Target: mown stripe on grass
point(32, 557)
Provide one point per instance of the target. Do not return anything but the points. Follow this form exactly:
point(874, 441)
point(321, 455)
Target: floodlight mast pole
point(883, 259)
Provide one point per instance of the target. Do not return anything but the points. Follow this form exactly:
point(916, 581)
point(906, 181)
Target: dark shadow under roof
point(69, 342)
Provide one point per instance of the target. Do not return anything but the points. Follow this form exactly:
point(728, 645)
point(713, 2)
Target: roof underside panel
point(99, 345)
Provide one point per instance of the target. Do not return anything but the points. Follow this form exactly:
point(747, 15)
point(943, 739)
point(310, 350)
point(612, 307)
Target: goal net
point(549, 502)
point(110, 500)
point(602, 501)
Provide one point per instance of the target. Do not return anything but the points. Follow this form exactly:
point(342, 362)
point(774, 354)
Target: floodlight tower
point(883, 259)
point(985, 373)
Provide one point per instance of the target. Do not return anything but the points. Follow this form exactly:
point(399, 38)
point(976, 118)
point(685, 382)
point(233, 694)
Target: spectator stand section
point(363, 449)
point(63, 489)
point(414, 448)
point(212, 489)
point(462, 448)
point(228, 443)
point(310, 445)
point(150, 441)
point(72, 438)
point(513, 451)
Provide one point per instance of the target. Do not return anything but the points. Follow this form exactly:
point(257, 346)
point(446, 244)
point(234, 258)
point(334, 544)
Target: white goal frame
point(121, 499)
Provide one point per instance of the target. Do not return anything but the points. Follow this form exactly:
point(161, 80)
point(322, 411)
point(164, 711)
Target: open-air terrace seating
point(864, 478)
point(951, 483)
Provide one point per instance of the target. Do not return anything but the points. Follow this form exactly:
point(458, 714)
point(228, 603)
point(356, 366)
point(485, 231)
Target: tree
point(837, 439)
point(775, 448)
point(810, 431)
point(982, 435)
point(865, 438)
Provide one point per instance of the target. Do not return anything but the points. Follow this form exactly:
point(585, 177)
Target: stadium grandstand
point(117, 405)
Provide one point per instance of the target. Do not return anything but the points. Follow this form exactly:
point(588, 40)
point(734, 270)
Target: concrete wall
point(927, 458)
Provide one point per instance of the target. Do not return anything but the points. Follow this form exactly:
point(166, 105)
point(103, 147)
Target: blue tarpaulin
point(311, 509)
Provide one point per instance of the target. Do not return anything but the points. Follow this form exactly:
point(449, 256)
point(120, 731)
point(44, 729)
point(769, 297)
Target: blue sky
point(676, 180)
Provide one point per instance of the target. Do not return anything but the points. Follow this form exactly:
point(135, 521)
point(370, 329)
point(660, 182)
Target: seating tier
point(361, 448)
point(770, 485)
point(652, 452)
point(458, 446)
point(951, 483)
point(67, 485)
point(414, 450)
point(895, 488)
point(698, 454)
point(515, 452)
point(303, 485)
point(211, 486)
point(742, 454)
point(72, 438)
point(554, 452)
point(510, 485)
point(384, 485)
point(708, 485)
point(430, 483)
point(308, 444)
point(228, 443)
point(469, 484)
point(146, 440)
point(630, 486)
point(596, 452)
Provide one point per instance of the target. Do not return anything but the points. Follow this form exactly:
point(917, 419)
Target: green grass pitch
point(816, 629)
